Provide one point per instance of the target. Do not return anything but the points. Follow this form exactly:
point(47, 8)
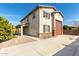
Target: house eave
point(37, 7)
point(59, 13)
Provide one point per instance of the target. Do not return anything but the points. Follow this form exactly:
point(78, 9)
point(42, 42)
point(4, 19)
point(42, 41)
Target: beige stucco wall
point(24, 21)
point(58, 16)
point(32, 29)
point(43, 20)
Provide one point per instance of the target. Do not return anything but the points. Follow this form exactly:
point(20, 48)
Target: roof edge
point(38, 6)
point(59, 13)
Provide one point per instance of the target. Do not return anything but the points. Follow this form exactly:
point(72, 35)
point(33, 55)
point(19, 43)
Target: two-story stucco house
point(43, 21)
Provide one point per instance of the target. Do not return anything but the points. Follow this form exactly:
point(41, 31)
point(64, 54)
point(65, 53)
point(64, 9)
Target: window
point(46, 28)
point(33, 15)
point(46, 14)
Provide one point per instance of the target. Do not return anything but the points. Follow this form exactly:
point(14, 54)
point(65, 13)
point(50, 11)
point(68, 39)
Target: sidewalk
point(40, 47)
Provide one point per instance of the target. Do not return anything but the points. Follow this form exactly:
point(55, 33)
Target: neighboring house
point(43, 21)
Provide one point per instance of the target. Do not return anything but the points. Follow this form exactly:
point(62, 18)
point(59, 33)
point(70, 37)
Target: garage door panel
point(58, 27)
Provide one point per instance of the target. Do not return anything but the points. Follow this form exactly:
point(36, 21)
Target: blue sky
point(15, 12)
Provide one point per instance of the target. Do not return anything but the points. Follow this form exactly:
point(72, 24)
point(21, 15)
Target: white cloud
point(71, 21)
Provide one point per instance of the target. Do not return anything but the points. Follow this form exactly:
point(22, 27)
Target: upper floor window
point(33, 15)
point(46, 14)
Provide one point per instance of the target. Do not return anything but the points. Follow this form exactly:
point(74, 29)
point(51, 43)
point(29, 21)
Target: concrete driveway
point(70, 50)
point(44, 47)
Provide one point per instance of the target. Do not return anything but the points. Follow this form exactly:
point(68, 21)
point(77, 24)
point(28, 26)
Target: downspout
point(53, 25)
point(38, 22)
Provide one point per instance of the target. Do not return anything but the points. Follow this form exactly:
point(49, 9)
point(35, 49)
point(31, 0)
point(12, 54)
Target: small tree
point(76, 24)
point(6, 29)
point(65, 27)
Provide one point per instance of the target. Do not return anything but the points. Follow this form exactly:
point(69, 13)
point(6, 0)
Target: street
point(69, 50)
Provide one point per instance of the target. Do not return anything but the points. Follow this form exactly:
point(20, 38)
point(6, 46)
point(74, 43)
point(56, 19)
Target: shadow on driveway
point(70, 50)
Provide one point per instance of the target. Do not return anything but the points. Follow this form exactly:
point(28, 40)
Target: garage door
point(58, 27)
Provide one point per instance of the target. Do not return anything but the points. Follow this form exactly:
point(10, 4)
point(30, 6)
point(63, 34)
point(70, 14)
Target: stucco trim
point(45, 35)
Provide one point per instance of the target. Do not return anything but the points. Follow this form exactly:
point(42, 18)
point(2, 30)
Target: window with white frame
point(46, 14)
point(46, 28)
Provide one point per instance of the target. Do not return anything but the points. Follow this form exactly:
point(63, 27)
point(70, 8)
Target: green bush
point(66, 27)
point(7, 30)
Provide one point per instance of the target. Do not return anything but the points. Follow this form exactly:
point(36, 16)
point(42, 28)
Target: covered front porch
point(20, 28)
point(23, 25)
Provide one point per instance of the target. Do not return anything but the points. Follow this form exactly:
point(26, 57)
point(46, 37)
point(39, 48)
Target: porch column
point(21, 30)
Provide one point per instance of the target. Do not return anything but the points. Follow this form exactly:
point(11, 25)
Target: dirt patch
point(16, 41)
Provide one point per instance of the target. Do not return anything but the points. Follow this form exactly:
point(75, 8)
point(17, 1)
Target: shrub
point(65, 27)
point(7, 30)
